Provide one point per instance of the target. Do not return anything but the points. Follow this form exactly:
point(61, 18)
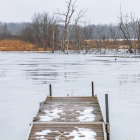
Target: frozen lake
point(24, 80)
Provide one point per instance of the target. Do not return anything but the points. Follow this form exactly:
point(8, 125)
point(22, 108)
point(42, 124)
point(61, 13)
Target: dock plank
point(64, 118)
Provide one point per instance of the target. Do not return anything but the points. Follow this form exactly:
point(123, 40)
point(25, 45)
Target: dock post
point(92, 85)
point(107, 116)
point(50, 89)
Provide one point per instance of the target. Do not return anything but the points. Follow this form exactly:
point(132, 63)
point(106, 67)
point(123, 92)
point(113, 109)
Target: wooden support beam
point(50, 89)
point(92, 85)
point(107, 117)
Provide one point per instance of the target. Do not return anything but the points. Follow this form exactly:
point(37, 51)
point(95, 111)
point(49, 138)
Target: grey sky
point(98, 11)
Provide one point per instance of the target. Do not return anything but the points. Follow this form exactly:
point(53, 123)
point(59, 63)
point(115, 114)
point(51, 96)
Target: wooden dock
point(69, 118)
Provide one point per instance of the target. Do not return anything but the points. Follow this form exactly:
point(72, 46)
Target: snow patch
point(41, 138)
point(86, 115)
point(42, 134)
point(82, 134)
point(51, 115)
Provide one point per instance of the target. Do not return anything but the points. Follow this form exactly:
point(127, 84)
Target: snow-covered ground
point(24, 79)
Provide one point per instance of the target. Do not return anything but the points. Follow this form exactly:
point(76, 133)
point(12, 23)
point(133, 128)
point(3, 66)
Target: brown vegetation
point(60, 32)
point(16, 45)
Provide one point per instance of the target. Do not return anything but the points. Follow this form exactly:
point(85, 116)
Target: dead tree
point(36, 29)
point(138, 33)
point(4, 32)
point(44, 31)
point(102, 37)
point(87, 32)
point(26, 33)
point(114, 36)
point(125, 26)
point(54, 33)
point(78, 34)
point(66, 20)
point(135, 23)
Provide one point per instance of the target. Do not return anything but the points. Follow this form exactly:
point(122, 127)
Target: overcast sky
point(98, 11)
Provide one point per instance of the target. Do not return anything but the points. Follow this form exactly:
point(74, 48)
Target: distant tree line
point(4, 31)
point(60, 32)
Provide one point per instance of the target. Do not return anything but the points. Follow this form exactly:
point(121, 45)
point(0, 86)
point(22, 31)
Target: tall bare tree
point(125, 27)
point(114, 36)
point(135, 23)
point(66, 20)
point(78, 30)
point(88, 36)
point(4, 31)
point(138, 33)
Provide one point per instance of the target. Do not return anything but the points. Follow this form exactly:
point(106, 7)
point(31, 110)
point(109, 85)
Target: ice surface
point(25, 76)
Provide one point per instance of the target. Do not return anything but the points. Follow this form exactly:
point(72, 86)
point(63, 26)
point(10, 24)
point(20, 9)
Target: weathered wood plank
point(64, 130)
point(62, 118)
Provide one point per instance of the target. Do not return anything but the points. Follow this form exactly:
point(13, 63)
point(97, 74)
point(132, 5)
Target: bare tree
point(66, 19)
point(135, 23)
point(125, 28)
point(88, 36)
point(78, 30)
point(4, 32)
point(26, 33)
point(114, 36)
point(54, 33)
point(36, 29)
point(102, 37)
point(138, 33)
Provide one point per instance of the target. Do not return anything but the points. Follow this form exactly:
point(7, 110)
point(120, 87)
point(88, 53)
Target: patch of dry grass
point(16, 45)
